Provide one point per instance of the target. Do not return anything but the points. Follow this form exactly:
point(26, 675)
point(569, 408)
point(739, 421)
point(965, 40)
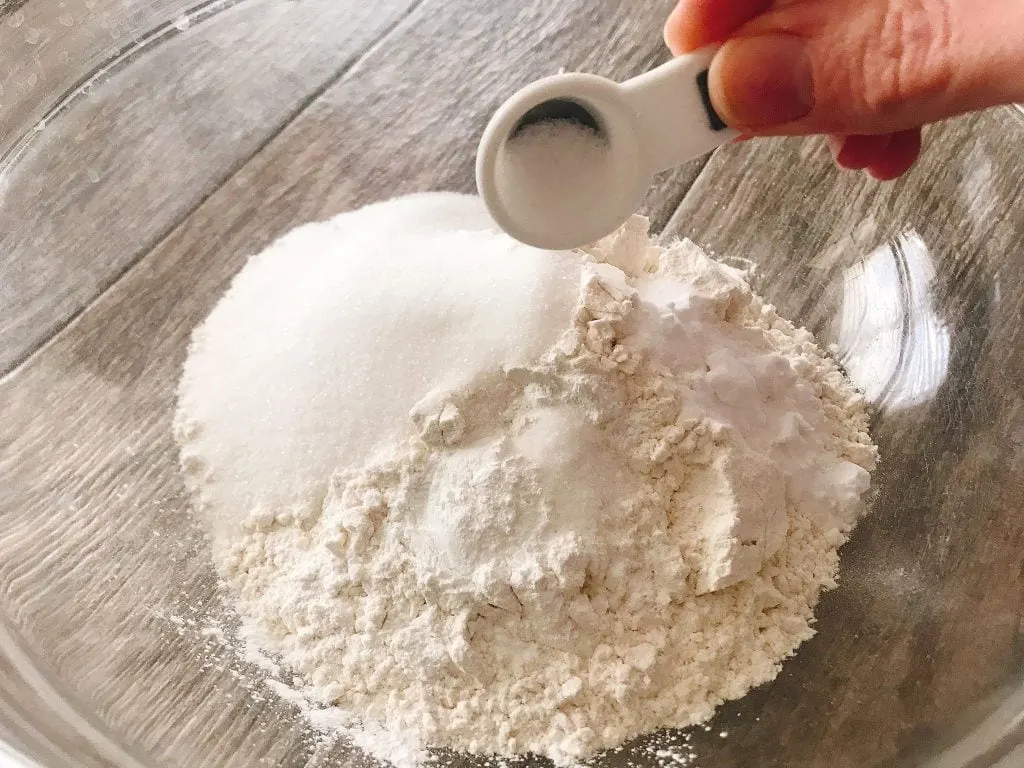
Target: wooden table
point(200, 141)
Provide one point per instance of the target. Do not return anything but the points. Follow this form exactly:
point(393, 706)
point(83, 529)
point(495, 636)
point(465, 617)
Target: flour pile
point(474, 495)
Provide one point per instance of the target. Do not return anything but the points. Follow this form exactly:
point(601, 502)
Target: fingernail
point(760, 82)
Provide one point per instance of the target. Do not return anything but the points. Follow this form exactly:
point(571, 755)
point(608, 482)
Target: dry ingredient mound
point(474, 495)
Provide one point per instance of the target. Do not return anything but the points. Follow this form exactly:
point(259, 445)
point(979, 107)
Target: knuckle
point(907, 60)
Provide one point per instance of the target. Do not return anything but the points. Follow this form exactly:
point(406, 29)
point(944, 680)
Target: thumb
point(868, 66)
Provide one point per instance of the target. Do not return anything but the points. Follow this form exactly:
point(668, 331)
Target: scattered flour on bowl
point(474, 495)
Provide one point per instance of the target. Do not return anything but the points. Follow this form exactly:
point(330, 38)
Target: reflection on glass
point(890, 339)
point(11, 759)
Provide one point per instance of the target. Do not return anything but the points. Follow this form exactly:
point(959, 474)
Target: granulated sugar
point(473, 495)
point(563, 176)
point(565, 155)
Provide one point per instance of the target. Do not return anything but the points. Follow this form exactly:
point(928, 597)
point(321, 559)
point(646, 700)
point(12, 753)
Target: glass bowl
point(146, 149)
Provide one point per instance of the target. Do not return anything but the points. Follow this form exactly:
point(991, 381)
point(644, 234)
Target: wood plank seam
point(661, 222)
point(233, 172)
point(684, 199)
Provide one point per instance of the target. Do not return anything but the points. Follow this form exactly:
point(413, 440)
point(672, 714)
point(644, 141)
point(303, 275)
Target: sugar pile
point(469, 494)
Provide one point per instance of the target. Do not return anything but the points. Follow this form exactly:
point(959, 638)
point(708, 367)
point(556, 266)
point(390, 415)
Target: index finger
point(695, 24)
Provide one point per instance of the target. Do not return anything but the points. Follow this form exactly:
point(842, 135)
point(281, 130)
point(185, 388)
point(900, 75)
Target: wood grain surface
point(99, 187)
point(227, 136)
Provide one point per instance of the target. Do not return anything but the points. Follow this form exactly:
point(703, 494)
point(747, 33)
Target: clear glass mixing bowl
point(147, 148)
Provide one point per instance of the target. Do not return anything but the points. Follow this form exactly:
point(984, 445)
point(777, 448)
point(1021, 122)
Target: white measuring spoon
point(648, 124)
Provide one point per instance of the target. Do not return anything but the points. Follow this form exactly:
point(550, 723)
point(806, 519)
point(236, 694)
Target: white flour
point(474, 495)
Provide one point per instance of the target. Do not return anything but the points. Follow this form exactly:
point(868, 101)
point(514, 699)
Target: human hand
point(869, 73)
